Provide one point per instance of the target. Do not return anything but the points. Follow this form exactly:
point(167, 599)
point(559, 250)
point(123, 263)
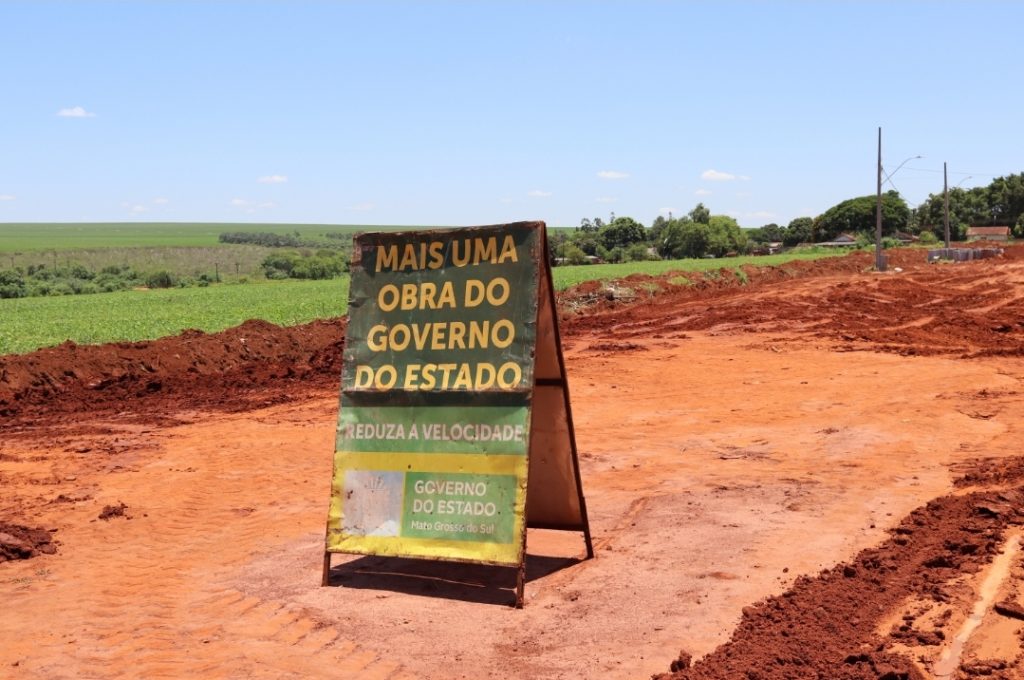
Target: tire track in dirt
point(185, 620)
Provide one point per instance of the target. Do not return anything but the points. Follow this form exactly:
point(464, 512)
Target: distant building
point(841, 241)
point(988, 233)
point(769, 248)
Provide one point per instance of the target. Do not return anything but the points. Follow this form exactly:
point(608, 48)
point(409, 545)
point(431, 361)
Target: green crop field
point(61, 236)
point(571, 276)
point(29, 323)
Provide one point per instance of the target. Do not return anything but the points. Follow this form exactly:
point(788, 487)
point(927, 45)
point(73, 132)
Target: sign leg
point(520, 583)
point(326, 581)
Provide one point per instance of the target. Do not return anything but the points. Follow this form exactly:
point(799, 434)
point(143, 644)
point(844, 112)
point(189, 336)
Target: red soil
point(19, 542)
point(836, 623)
point(187, 371)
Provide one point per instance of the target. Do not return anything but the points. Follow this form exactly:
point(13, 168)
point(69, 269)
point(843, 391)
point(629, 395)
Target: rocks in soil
point(18, 542)
point(1010, 609)
point(111, 511)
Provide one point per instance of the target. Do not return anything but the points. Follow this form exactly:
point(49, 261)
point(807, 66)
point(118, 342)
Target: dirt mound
point(827, 625)
point(19, 542)
point(595, 296)
point(197, 369)
point(973, 309)
point(970, 308)
point(194, 368)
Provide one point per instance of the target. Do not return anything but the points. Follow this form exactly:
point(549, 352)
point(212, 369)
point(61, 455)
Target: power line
point(966, 174)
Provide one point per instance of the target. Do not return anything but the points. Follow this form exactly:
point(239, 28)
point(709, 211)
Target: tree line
point(1000, 203)
point(623, 239)
point(702, 234)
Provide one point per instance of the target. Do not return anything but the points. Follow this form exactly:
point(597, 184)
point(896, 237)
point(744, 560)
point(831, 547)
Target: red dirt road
point(736, 440)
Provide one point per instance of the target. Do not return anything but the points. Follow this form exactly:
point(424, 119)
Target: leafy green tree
point(1005, 197)
point(573, 255)
point(725, 236)
point(858, 215)
point(769, 233)
point(700, 214)
point(684, 239)
point(586, 241)
point(638, 252)
point(557, 241)
point(799, 230)
point(1000, 203)
point(657, 227)
point(622, 232)
point(966, 207)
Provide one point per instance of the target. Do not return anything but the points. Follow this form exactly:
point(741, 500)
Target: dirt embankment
point(187, 371)
point(927, 309)
point(828, 626)
point(967, 309)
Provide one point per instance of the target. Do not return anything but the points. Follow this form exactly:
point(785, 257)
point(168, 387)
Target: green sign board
point(434, 426)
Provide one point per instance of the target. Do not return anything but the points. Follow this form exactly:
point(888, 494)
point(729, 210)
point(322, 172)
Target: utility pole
point(879, 257)
point(945, 193)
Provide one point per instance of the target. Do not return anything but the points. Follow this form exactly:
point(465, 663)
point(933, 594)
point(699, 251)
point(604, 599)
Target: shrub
point(324, 264)
point(12, 285)
point(109, 282)
point(574, 255)
point(62, 288)
point(638, 252)
point(160, 279)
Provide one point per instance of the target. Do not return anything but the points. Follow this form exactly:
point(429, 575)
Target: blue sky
point(464, 113)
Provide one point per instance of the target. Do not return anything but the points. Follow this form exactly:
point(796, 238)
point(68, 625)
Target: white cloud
point(239, 202)
point(7, 197)
point(702, 192)
point(606, 199)
point(537, 193)
point(717, 176)
point(272, 179)
point(612, 174)
point(363, 207)
point(267, 204)
point(161, 201)
point(75, 112)
point(138, 209)
point(761, 215)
